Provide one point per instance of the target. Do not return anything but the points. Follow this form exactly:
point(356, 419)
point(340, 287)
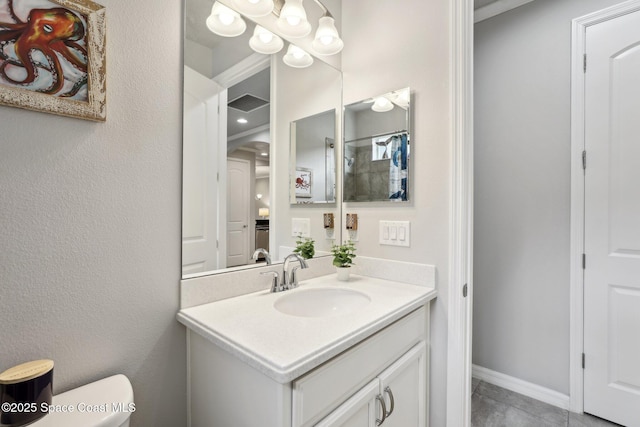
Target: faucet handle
point(275, 284)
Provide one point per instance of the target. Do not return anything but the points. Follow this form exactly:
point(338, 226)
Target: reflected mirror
point(238, 105)
point(377, 148)
point(313, 159)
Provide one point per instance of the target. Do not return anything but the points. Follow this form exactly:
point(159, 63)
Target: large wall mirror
point(238, 109)
point(377, 148)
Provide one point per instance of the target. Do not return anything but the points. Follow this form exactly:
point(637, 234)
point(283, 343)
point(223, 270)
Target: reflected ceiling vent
point(247, 103)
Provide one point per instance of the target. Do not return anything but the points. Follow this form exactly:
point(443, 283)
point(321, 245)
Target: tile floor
point(493, 406)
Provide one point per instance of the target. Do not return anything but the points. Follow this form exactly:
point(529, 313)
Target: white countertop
point(285, 347)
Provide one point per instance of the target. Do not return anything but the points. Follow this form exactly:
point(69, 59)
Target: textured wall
point(90, 224)
point(522, 190)
point(387, 47)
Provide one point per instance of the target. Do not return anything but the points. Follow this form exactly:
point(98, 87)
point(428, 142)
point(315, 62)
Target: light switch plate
point(301, 227)
point(395, 233)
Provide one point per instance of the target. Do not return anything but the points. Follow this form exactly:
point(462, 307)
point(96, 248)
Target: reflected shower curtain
point(398, 167)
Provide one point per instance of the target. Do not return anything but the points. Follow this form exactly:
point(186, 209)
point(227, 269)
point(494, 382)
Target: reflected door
point(201, 137)
point(612, 221)
point(238, 214)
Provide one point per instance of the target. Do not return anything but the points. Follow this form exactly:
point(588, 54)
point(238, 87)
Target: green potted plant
point(343, 256)
point(305, 247)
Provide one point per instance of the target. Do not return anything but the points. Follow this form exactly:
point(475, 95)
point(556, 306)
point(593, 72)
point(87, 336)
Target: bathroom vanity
point(322, 354)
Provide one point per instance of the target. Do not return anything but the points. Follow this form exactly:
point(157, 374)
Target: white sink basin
point(321, 302)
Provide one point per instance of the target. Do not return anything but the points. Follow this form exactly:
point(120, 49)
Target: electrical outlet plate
point(395, 233)
point(300, 227)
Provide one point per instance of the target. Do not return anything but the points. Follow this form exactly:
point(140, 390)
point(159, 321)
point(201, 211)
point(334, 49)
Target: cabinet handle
point(380, 399)
point(390, 393)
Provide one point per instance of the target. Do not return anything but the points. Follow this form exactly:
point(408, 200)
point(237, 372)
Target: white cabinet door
point(404, 388)
point(358, 411)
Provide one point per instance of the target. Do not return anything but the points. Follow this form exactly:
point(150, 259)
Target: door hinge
point(582, 360)
point(584, 261)
point(217, 176)
point(464, 291)
point(217, 244)
point(584, 159)
point(584, 63)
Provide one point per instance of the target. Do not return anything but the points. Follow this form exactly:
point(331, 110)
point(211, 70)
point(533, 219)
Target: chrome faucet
point(264, 252)
point(290, 281)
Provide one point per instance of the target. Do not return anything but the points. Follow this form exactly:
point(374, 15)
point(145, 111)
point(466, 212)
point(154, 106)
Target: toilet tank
point(104, 403)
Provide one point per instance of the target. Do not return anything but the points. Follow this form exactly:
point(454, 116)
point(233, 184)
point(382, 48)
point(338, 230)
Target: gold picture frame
point(52, 57)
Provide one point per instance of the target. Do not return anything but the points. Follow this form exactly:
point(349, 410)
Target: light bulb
point(297, 57)
point(293, 20)
point(265, 37)
point(264, 41)
point(326, 40)
point(382, 105)
point(225, 22)
point(254, 8)
point(225, 18)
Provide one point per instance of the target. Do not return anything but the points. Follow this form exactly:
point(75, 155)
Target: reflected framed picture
point(52, 57)
point(303, 182)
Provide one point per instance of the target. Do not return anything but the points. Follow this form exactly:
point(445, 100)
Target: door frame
point(460, 303)
point(576, 312)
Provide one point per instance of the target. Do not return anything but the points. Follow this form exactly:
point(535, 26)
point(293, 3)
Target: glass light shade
point(382, 104)
point(293, 20)
point(225, 22)
point(297, 58)
point(264, 41)
point(254, 8)
point(263, 211)
point(327, 40)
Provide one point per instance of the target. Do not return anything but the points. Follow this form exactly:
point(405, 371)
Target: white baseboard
point(523, 387)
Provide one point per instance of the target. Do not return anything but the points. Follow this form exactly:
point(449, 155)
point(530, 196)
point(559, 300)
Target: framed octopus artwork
point(52, 57)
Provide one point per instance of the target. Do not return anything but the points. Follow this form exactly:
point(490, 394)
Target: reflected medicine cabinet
point(377, 148)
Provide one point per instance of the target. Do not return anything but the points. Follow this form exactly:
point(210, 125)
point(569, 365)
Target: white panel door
point(238, 214)
point(202, 128)
point(612, 221)
point(404, 388)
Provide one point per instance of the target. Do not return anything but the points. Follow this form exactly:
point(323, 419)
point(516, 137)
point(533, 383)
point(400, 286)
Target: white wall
point(90, 224)
point(522, 191)
point(387, 47)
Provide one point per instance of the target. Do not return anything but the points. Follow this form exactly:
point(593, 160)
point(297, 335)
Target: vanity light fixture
point(254, 8)
point(264, 41)
point(225, 22)
point(297, 58)
point(293, 20)
point(382, 104)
